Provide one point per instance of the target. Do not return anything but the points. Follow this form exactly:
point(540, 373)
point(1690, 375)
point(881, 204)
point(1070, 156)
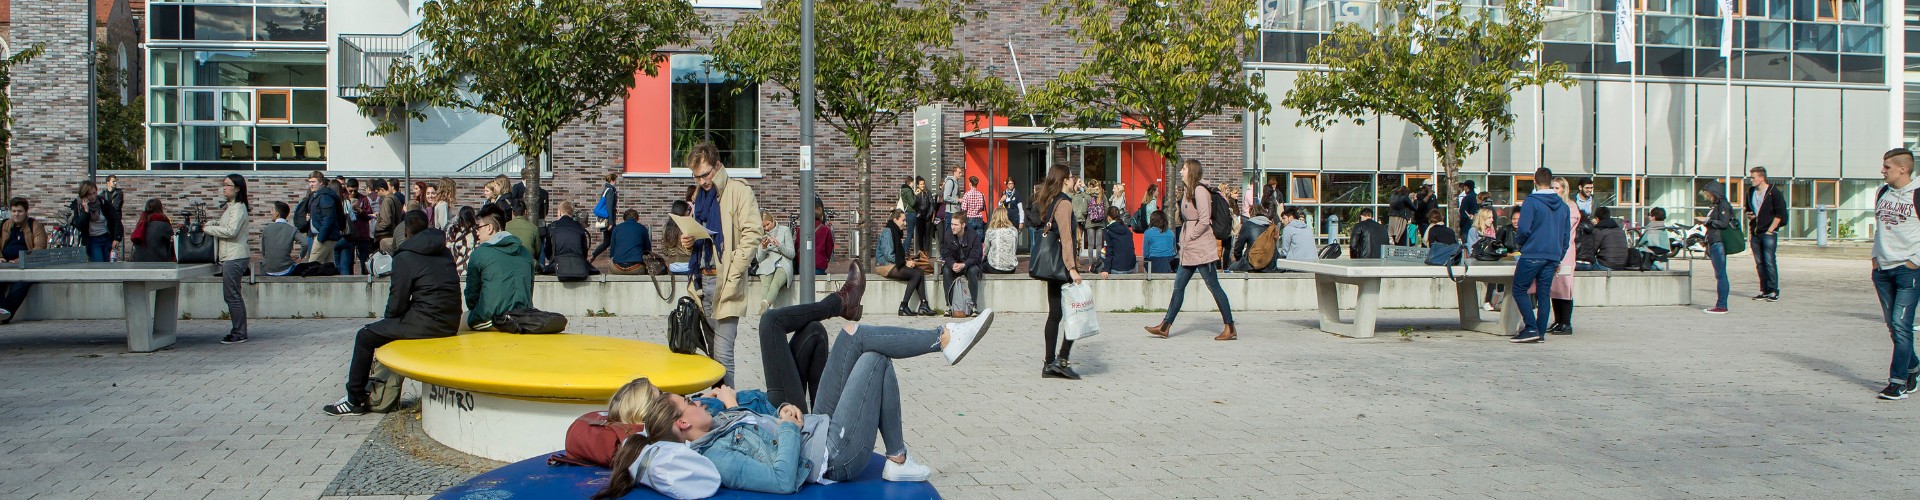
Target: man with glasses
point(499, 271)
point(727, 209)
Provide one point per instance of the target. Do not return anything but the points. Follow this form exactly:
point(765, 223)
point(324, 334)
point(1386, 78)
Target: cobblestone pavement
point(1772, 400)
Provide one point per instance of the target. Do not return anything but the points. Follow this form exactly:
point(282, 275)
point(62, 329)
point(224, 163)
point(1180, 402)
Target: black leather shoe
point(904, 311)
point(1060, 370)
point(924, 310)
point(851, 291)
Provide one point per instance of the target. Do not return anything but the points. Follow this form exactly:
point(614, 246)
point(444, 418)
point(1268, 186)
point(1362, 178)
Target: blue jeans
point(1899, 291)
point(859, 390)
point(343, 257)
point(1590, 266)
point(1534, 307)
point(912, 231)
point(1764, 246)
point(1213, 284)
point(1717, 252)
point(1160, 264)
point(99, 248)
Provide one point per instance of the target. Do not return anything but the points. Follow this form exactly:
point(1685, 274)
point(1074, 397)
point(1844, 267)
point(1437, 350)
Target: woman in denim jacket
point(859, 400)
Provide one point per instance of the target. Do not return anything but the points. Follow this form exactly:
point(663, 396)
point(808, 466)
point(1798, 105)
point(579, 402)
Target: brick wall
point(49, 99)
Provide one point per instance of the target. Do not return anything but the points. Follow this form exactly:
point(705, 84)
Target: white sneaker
point(911, 471)
point(962, 336)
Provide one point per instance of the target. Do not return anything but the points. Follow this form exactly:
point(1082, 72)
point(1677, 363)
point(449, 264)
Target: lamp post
point(805, 272)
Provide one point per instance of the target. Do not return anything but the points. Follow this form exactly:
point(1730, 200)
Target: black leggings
point(916, 283)
point(1563, 311)
point(794, 378)
point(1053, 323)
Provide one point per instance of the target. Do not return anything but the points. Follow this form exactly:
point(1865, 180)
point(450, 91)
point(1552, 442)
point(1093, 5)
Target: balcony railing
point(367, 60)
point(504, 159)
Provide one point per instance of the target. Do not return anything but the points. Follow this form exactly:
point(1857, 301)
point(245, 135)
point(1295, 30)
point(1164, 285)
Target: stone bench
point(507, 397)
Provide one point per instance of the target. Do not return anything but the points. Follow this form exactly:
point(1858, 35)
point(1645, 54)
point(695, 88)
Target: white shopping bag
point(1078, 321)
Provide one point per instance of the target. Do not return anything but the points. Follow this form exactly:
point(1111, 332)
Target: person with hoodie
point(423, 302)
point(499, 272)
point(1654, 238)
point(729, 211)
point(859, 402)
point(1116, 244)
point(1296, 238)
point(1250, 229)
point(1542, 237)
point(1718, 218)
point(1609, 243)
point(230, 248)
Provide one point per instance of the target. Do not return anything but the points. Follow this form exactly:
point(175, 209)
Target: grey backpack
point(383, 389)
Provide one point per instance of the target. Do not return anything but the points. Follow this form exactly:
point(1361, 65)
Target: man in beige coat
point(734, 247)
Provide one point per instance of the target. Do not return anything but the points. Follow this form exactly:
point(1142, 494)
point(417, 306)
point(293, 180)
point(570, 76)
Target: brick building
point(253, 100)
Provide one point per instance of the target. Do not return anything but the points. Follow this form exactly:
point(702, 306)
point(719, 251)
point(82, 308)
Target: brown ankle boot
point(1227, 334)
point(851, 291)
point(1159, 330)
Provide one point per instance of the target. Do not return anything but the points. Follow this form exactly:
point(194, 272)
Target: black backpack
point(1139, 222)
point(1222, 215)
point(530, 321)
point(687, 330)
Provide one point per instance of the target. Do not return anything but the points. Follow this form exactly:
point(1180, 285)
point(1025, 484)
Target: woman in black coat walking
point(424, 303)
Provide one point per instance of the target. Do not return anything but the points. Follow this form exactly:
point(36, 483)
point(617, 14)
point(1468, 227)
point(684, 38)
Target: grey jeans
point(231, 272)
point(724, 331)
point(862, 396)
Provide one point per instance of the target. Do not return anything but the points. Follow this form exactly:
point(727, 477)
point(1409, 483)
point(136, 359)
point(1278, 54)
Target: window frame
point(1833, 7)
point(674, 166)
point(259, 106)
point(1313, 180)
point(1831, 187)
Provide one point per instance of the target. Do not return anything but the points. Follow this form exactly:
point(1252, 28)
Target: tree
point(6, 112)
point(1163, 64)
point(122, 122)
point(874, 59)
point(1447, 71)
point(537, 64)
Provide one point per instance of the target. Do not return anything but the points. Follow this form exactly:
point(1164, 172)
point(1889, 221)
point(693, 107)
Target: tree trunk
point(1450, 164)
point(863, 159)
point(532, 197)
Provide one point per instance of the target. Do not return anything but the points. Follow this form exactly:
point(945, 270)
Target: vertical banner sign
point(1726, 29)
point(1623, 30)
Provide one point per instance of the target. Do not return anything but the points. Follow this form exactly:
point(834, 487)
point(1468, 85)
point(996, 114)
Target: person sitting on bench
point(23, 234)
point(499, 272)
point(859, 400)
point(422, 303)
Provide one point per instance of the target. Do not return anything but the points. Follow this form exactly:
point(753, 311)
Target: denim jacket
point(752, 457)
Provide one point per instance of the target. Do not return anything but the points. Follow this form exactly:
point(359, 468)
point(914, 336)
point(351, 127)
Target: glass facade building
point(237, 85)
point(1806, 94)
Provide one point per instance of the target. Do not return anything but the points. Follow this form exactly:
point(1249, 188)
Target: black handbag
point(1046, 263)
point(194, 246)
point(687, 330)
point(1445, 254)
point(528, 320)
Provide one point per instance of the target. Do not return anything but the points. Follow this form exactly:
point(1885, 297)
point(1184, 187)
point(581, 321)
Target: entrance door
point(1101, 162)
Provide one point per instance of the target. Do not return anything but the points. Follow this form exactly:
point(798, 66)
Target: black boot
point(904, 311)
point(1059, 369)
point(924, 310)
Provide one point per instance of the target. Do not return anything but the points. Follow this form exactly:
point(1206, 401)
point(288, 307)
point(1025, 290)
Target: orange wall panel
point(649, 130)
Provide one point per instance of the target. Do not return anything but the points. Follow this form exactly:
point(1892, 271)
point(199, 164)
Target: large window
point(711, 105)
point(239, 20)
point(237, 110)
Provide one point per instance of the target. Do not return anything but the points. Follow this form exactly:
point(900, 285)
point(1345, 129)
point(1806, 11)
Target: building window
point(221, 20)
point(711, 105)
point(1306, 187)
point(237, 110)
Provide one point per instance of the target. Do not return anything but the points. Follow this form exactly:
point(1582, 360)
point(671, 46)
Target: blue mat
point(533, 478)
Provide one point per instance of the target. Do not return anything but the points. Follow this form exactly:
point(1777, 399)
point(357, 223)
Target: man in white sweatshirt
point(1896, 266)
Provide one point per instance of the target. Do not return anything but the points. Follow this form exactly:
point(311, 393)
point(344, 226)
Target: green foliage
point(122, 123)
point(6, 108)
point(537, 64)
point(1450, 73)
point(1163, 63)
point(873, 59)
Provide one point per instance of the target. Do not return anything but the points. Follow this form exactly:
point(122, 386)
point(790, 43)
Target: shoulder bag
point(1046, 263)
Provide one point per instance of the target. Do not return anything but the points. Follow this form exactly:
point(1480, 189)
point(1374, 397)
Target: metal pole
point(93, 93)
point(807, 197)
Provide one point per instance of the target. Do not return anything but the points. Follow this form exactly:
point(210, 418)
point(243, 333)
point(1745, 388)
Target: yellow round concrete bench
point(509, 397)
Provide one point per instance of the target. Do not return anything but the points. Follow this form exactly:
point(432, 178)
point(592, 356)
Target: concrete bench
point(149, 291)
point(508, 397)
point(533, 478)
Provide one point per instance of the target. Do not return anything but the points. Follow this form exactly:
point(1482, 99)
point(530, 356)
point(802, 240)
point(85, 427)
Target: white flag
point(1623, 46)
point(1726, 29)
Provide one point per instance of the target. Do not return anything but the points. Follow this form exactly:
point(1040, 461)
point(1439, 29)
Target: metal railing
point(505, 158)
point(367, 60)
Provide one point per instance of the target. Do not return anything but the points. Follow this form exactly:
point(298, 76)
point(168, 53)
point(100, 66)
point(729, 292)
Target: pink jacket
point(1197, 245)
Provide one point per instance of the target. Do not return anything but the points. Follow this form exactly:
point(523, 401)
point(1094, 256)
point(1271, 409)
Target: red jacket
point(822, 246)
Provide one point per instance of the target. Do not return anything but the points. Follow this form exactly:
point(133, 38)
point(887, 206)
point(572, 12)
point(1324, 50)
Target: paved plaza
point(1774, 400)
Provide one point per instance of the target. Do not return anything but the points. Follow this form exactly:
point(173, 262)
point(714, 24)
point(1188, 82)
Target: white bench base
point(498, 427)
point(1366, 306)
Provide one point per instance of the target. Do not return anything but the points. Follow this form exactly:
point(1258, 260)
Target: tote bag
point(1078, 318)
